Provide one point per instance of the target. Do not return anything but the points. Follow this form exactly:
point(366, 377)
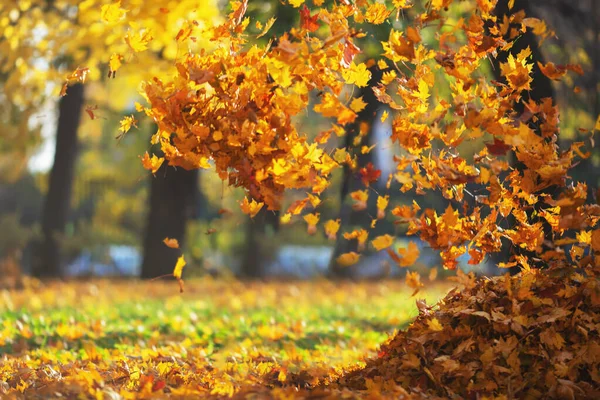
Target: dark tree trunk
point(541, 87)
point(58, 199)
point(350, 182)
point(258, 231)
point(173, 195)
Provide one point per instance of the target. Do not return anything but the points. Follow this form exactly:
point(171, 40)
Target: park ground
point(129, 339)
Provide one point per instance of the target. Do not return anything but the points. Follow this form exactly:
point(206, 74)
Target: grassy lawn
point(102, 339)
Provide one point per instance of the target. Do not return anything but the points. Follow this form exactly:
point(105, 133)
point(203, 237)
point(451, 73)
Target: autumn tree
point(58, 198)
point(92, 39)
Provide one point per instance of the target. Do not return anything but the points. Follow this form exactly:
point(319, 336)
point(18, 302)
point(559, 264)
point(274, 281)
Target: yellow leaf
point(384, 116)
point(382, 203)
point(413, 281)
point(358, 75)
point(377, 13)
point(357, 104)
point(584, 237)
point(597, 126)
point(115, 62)
point(268, 26)
point(126, 124)
point(179, 267)
point(296, 3)
point(171, 242)
point(112, 13)
point(152, 163)
point(409, 255)
point(348, 259)
point(285, 218)
point(251, 208)
point(331, 228)
point(435, 325)
point(314, 200)
point(312, 220)
point(138, 42)
point(382, 242)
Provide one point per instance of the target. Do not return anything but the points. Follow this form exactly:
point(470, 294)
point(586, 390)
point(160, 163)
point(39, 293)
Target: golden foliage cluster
point(233, 107)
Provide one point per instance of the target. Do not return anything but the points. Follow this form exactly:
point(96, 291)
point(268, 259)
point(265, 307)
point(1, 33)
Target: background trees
point(126, 46)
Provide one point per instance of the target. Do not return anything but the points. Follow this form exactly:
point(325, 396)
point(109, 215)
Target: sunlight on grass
point(217, 337)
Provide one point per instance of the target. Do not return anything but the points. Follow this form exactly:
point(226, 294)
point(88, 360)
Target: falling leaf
point(179, 267)
point(268, 26)
point(348, 259)
point(384, 116)
point(357, 104)
point(369, 174)
point(152, 163)
point(331, 228)
point(357, 75)
point(382, 242)
point(171, 242)
point(307, 22)
point(312, 220)
point(111, 13)
point(126, 123)
point(251, 208)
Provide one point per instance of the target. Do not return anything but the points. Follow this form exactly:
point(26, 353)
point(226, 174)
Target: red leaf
point(350, 50)
point(306, 21)
point(369, 174)
point(498, 148)
point(158, 385)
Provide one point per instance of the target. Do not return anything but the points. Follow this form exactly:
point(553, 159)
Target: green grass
point(146, 339)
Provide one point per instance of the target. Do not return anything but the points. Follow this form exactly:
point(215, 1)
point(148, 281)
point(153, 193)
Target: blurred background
point(75, 200)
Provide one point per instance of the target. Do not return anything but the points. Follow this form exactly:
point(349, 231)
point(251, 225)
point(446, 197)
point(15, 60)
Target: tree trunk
point(350, 182)
point(258, 230)
point(172, 202)
point(58, 199)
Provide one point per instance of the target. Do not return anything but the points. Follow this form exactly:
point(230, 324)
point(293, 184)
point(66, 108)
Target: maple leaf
point(556, 72)
point(498, 148)
point(114, 64)
point(251, 208)
point(360, 198)
point(348, 259)
point(413, 281)
point(384, 116)
point(377, 13)
point(138, 42)
point(171, 242)
point(358, 75)
point(382, 242)
point(350, 51)
point(126, 123)
point(152, 163)
point(312, 220)
point(90, 112)
point(331, 228)
point(357, 104)
point(268, 26)
point(382, 203)
point(368, 174)
point(111, 13)
point(307, 22)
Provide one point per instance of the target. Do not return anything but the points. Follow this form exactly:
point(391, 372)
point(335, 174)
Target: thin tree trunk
point(172, 202)
point(350, 182)
point(258, 230)
point(541, 87)
point(58, 199)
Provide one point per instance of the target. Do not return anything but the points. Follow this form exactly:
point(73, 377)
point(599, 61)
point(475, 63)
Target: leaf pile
point(525, 336)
